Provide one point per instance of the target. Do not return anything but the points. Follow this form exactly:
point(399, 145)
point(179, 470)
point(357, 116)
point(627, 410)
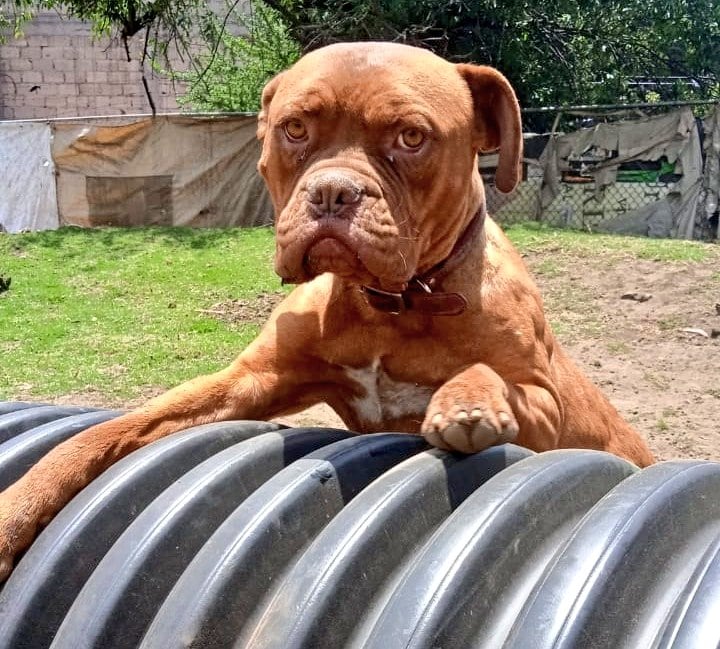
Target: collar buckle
point(393, 303)
point(418, 295)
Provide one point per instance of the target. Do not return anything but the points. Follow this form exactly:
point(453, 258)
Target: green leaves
point(232, 75)
point(554, 52)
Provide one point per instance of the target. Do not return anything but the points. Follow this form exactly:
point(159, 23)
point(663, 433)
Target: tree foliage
point(124, 18)
point(231, 72)
point(553, 51)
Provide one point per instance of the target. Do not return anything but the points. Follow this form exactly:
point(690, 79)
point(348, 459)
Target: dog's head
point(369, 154)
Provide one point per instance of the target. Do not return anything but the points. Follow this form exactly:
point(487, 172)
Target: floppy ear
point(267, 94)
point(497, 120)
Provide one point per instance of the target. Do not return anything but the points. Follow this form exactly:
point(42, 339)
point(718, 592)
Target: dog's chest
point(382, 399)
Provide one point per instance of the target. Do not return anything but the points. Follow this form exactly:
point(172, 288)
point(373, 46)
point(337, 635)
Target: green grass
point(117, 312)
point(114, 311)
point(662, 425)
point(671, 322)
point(533, 237)
point(548, 268)
point(618, 347)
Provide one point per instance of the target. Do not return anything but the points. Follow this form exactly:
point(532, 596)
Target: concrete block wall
point(59, 69)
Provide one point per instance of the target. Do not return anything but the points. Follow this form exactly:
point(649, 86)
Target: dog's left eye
point(411, 138)
point(295, 130)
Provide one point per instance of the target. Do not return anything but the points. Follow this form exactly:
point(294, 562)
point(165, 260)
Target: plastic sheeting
point(27, 180)
point(201, 171)
point(710, 199)
point(603, 148)
point(165, 171)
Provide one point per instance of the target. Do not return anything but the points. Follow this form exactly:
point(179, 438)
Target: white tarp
point(27, 178)
point(649, 138)
point(603, 148)
point(710, 201)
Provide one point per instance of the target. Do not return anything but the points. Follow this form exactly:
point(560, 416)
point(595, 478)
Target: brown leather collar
point(418, 295)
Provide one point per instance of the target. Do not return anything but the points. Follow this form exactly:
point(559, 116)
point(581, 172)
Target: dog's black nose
point(330, 193)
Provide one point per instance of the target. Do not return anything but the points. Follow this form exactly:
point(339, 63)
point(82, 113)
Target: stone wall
point(59, 69)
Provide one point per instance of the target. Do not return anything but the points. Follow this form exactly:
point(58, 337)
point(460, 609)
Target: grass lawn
point(120, 312)
point(115, 311)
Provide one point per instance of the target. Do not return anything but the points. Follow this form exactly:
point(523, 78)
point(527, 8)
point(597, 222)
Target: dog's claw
point(470, 415)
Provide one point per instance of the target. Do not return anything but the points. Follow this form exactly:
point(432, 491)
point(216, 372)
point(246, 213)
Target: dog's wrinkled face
point(369, 153)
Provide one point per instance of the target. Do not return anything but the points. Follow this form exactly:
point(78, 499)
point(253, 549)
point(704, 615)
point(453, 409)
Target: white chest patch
point(385, 399)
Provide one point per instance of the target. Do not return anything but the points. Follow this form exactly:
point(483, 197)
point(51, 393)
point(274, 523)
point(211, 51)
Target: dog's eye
point(411, 138)
point(295, 130)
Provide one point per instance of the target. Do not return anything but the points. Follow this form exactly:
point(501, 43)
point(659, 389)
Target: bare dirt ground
point(663, 378)
point(649, 357)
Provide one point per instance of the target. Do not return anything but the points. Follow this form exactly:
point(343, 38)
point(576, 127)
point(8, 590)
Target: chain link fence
point(622, 169)
point(582, 202)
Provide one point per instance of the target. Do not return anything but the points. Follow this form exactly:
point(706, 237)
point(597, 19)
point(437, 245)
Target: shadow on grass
point(112, 239)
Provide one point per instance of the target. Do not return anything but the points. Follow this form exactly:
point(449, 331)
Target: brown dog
point(414, 312)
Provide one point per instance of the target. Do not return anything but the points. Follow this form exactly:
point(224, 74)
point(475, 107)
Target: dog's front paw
point(470, 413)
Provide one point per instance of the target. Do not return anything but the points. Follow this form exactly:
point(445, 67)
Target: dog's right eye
point(411, 138)
point(295, 130)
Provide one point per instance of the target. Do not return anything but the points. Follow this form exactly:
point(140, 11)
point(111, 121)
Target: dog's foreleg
point(233, 393)
point(477, 409)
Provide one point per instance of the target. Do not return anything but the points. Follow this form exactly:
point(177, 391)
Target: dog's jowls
point(369, 153)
